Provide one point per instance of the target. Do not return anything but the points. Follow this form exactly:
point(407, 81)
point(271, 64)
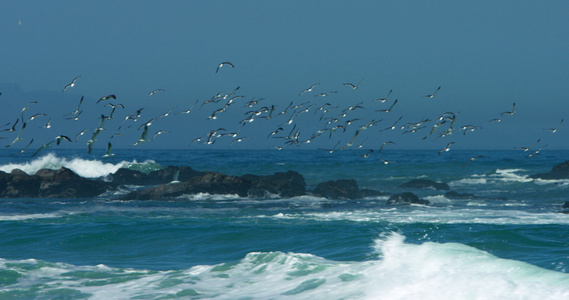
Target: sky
point(485, 56)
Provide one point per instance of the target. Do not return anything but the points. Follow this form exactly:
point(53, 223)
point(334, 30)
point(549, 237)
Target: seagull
point(13, 126)
point(225, 63)
point(325, 94)
point(77, 110)
point(468, 128)
point(26, 148)
point(158, 133)
point(446, 149)
point(61, 137)
point(386, 97)
point(367, 154)
point(107, 98)
point(19, 138)
point(355, 87)
point(384, 144)
point(156, 91)
point(509, 112)
point(536, 152)
point(71, 84)
point(35, 116)
point(109, 149)
point(389, 109)
point(554, 130)
point(433, 94)
point(392, 127)
point(309, 89)
point(80, 134)
point(239, 140)
point(528, 148)
point(473, 159)
point(43, 147)
point(143, 136)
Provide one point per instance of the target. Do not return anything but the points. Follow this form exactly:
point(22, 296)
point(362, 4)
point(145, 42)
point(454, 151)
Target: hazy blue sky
point(485, 55)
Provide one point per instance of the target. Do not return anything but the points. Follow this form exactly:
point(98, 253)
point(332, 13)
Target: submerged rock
point(339, 189)
point(559, 171)
point(406, 198)
point(425, 183)
point(461, 196)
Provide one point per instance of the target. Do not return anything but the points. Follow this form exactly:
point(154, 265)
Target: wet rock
point(338, 189)
point(559, 171)
point(425, 183)
point(565, 207)
point(47, 183)
point(406, 198)
point(211, 183)
point(284, 184)
point(462, 196)
point(125, 176)
point(64, 183)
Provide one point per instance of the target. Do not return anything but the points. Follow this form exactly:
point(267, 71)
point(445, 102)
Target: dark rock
point(406, 198)
point(211, 183)
point(458, 196)
point(425, 183)
point(289, 184)
point(339, 189)
point(64, 183)
point(125, 176)
point(559, 171)
point(461, 196)
point(46, 183)
point(565, 205)
point(21, 185)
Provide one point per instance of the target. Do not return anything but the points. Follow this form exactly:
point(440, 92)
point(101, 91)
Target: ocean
point(228, 247)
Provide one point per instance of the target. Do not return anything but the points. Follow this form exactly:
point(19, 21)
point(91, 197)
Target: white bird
point(447, 148)
point(71, 84)
point(309, 89)
point(156, 91)
point(554, 130)
point(225, 63)
point(433, 94)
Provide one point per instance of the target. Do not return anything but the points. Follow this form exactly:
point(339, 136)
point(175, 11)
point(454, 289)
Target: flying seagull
point(446, 149)
point(71, 84)
point(353, 86)
point(225, 63)
point(156, 91)
point(107, 98)
point(309, 89)
point(433, 94)
point(554, 130)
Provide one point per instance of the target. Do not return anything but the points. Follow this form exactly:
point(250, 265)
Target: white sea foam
point(82, 167)
point(401, 271)
point(23, 217)
point(432, 215)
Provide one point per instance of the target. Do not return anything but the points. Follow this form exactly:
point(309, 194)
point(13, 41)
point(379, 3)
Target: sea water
point(227, 247)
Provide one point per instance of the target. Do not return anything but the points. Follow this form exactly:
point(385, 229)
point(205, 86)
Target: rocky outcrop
point(343, 189)
point(171, 173)
point(338, 189)
point(559, 171)
point(211, 183)
point(284, 184)
point(406, 198)
point(47, 183)
point(424, 184)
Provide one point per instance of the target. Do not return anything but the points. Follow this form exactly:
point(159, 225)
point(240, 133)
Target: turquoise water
point(227, 247)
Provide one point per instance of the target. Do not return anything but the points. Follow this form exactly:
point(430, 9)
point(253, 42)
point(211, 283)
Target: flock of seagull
point(279, 124)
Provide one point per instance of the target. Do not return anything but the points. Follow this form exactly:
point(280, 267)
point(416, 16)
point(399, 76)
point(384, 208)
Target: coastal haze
point(485, 56)
point(284, 150)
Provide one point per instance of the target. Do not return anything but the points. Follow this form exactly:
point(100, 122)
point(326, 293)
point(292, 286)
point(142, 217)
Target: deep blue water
point(226, 247)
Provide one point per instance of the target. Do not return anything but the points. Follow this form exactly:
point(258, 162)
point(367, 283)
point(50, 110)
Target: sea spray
point(399, 271)
point(82, 167)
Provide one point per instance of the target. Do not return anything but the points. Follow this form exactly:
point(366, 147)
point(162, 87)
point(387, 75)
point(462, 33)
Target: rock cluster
point(47, 183)
point(559, 171)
